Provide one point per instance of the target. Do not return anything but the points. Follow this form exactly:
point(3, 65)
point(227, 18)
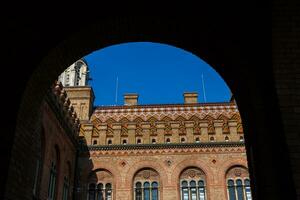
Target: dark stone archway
point(230, 43)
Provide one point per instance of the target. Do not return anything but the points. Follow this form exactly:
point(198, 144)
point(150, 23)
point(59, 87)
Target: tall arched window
point(238, 183)
point(52, 181)
point(146, 191)
point(154, 190)
point(146, 185)
point(185, 190)
point(248, 189)
point(138, 191)
point(100, 192)
point(239, 189)
point(192, 184)
point(201, 190)
point(108, 191)
point(66, 188)
point(52, 187)
point(193, 190)
point(231, 190)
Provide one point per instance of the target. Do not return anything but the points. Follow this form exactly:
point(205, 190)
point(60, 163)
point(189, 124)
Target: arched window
point(192, 185)
point(226, 139)
point(193, 190)
point(100, 192)
point(197, 139)
point(201, 190)
point(92, 192)
point(185, 190)
point(237, 188)
point(154, 191)
point(108, 191)
point(139, 141)
point(95, 142)
point(52, 181)
point(248, 189)
point(241, 139)
point(231, 190)
point(52, 187)
point(103, 190)
point(182, 140)
point(168, 140)
point(212, 139)
point(146, 191)
point(146, 185)
point(124, 141)
point(65, 188)
point(109, 142)
point(153, 141)
point(138, 191)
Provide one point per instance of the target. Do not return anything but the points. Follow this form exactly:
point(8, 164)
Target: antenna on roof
point(116, 98)
point(203, 88)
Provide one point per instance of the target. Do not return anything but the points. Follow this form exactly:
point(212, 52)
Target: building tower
point(75, 81)
point(75, 75)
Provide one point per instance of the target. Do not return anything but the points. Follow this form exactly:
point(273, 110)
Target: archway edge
point(211, 46)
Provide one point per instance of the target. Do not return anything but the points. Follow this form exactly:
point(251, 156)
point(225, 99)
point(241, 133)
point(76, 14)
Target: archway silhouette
point(228, 58)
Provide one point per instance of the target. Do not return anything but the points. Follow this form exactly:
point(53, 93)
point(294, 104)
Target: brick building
point(55, 139)
point(176, 151)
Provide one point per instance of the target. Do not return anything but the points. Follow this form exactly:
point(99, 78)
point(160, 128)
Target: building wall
point(54, 139)
point(82, 99)
point(169, 163)
point(139, 124)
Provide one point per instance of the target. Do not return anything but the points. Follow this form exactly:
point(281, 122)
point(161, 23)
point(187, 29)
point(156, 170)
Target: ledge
point(163, 146)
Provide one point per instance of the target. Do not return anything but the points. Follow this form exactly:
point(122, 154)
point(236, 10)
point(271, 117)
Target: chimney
point(190, 97)
point(130, 99)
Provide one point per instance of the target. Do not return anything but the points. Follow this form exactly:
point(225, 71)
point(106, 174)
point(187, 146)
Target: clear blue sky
point(159, 73)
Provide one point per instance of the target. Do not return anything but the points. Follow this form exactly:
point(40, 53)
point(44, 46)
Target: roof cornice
point(163, 146)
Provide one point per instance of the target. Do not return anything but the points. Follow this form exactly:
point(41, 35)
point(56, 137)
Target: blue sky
point(159, 73)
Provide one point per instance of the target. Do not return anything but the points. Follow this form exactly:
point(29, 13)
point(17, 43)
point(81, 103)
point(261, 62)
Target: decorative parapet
point(58, 100)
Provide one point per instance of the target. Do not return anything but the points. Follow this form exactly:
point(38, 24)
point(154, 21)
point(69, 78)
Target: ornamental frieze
point(142, 152)
point(163, 113)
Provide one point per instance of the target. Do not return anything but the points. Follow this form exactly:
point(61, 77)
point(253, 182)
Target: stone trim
point(163, 146)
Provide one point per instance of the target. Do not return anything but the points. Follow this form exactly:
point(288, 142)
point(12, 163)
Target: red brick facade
point(120, 142)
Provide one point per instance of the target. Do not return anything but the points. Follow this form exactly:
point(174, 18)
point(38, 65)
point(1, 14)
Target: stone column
point(102, 134)
point(189, 125)
point(233, 130)
point(204, 132)
point(160, 132)
point(175, 136)
point(218, 125)
point(131, 133)
point(146, 132)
